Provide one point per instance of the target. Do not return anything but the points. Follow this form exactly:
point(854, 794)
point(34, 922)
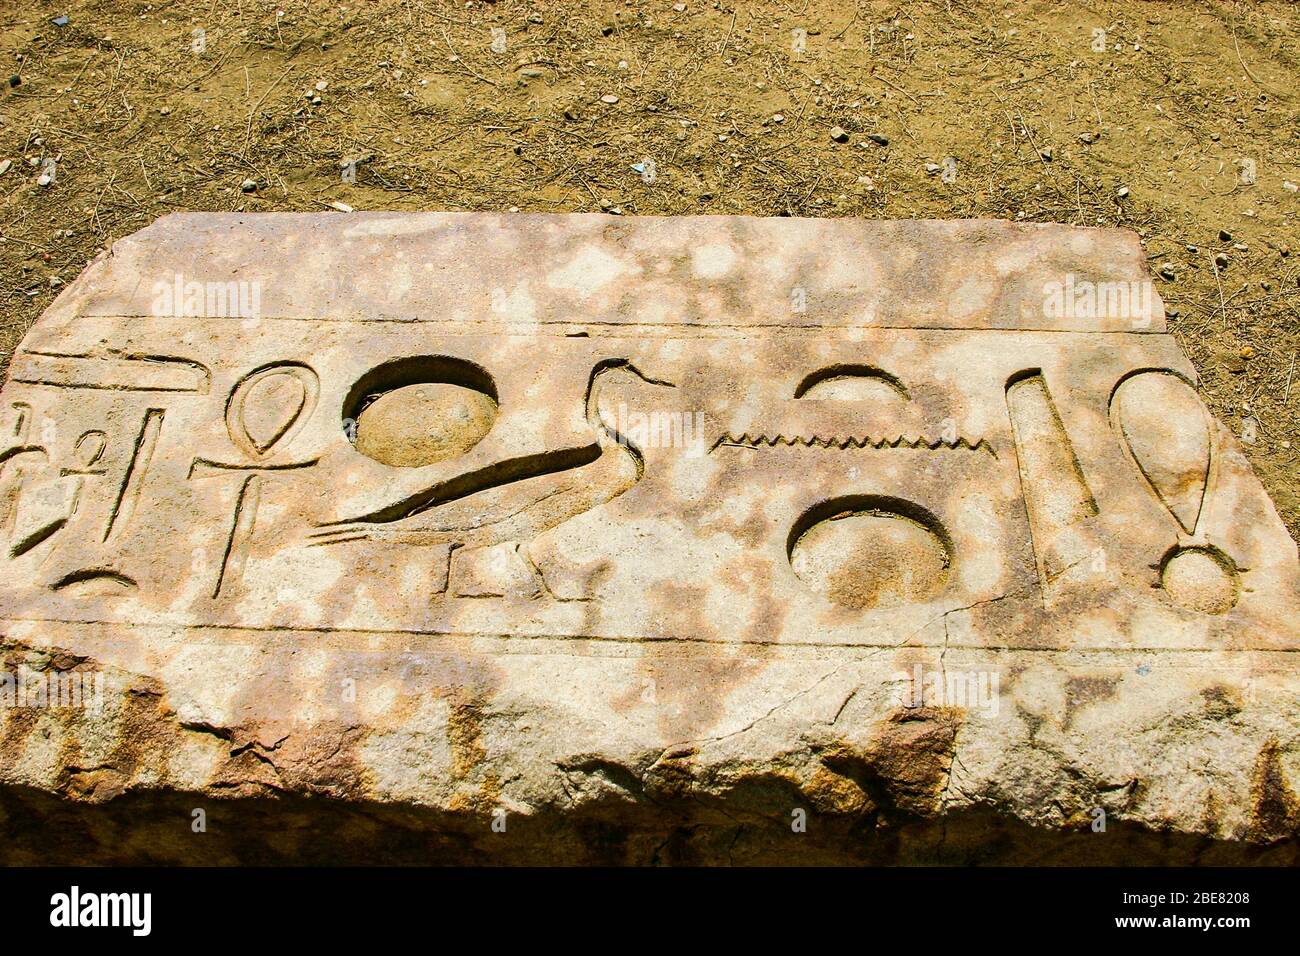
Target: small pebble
point(249, 185)
point(1167, 271)
point(878, 139)
point(1233, 362)
point(839, 135)
point(1225, 236)
point(1221, 260)
point(1123, 192)
point(609, 98)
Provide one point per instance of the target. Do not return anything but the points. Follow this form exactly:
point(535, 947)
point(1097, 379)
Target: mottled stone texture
point(650, 540)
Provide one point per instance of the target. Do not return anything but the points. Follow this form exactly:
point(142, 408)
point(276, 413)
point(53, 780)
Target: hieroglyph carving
point(866, 468)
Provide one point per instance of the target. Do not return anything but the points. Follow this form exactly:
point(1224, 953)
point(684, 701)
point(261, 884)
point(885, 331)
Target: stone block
point(526, 538)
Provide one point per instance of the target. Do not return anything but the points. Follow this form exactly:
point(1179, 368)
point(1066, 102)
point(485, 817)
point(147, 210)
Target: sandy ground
point(1178, 120)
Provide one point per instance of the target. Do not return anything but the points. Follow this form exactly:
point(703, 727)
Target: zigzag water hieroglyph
point(845, 443)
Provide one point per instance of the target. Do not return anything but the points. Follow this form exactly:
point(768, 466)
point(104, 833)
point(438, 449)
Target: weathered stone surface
point(913, 531)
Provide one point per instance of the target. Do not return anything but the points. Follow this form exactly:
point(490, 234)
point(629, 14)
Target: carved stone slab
point(638, 538)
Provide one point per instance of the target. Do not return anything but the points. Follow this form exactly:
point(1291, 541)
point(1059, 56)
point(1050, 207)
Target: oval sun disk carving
point(870, 555)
